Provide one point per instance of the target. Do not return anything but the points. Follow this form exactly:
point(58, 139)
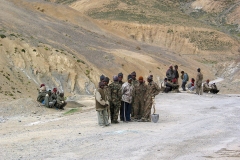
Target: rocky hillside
point(69, 44)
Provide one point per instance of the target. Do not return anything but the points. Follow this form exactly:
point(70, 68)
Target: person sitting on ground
point(53, 98)
point(41, 87)
point(165, 86)
point(173, 86)
point(214, 89)
point(60, 101)
point(184, 80)
point(101, 105)
point(191, 86)
point(206, 87)
point(42, 94)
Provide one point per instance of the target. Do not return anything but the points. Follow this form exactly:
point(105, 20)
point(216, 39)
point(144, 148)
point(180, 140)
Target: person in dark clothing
point(120, 77)
point(61, 103)
point(214, 89)
point(184, 80)
point(176, 74)
point(170, 74)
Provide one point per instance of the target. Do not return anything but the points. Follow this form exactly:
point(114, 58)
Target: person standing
point(120, 77)
point(101, 106)
point(199, 79)
point(152, 90)
point(139, 94)
point(184, 80)
point(127, 94)
point(116, 96)
point(107, 93)
point(134, 83)
point(170, 74)
point(176, 74)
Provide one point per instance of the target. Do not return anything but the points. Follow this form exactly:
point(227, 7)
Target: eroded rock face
point(60, 47)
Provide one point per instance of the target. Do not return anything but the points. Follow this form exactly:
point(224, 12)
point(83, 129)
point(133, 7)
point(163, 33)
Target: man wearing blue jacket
point(184, 80)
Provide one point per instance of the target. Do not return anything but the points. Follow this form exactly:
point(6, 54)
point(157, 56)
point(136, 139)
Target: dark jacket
point(176, 74)
point(170, 74)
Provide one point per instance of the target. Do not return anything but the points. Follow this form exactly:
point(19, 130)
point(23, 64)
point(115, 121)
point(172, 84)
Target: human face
point(133, 77)
point(130, 81)
point(120, 78)
point(140, 80)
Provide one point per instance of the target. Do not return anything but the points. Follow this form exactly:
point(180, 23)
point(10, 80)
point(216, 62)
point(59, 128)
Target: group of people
point(131, 101)
point(51, 99)
point(171, 83)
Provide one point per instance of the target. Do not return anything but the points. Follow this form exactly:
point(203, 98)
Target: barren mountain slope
point(45, 42)
point(205, 31)
point(56, 45)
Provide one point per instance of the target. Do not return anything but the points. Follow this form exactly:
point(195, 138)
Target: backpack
point(187, 77)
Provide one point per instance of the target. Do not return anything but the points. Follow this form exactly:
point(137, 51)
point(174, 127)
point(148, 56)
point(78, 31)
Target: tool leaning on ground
point(155, 117)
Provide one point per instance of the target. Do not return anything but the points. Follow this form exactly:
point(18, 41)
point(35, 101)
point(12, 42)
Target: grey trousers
point(103, 117)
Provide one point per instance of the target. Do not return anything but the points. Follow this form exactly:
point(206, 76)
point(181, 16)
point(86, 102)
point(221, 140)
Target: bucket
point(155, 117)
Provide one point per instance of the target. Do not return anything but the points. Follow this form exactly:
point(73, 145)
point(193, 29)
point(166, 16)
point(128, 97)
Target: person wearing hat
point(206, 87)
point(170, 73)
point(115, 98)
point(42, 86)
point(139, 95)
point(199, 79)
point(120, 77)
point(152, 90)
point(127, 94)
point(53, 98)
point(101, 106)
point(41, 94)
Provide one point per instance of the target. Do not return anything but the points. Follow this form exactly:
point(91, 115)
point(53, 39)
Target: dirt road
point(190, 127)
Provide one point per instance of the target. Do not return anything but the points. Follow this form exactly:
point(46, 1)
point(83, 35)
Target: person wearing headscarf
point(139, 95)
point(199, 79)
point(115, 91)
point(127, 94)
point(152, 90)
point(101, 105)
